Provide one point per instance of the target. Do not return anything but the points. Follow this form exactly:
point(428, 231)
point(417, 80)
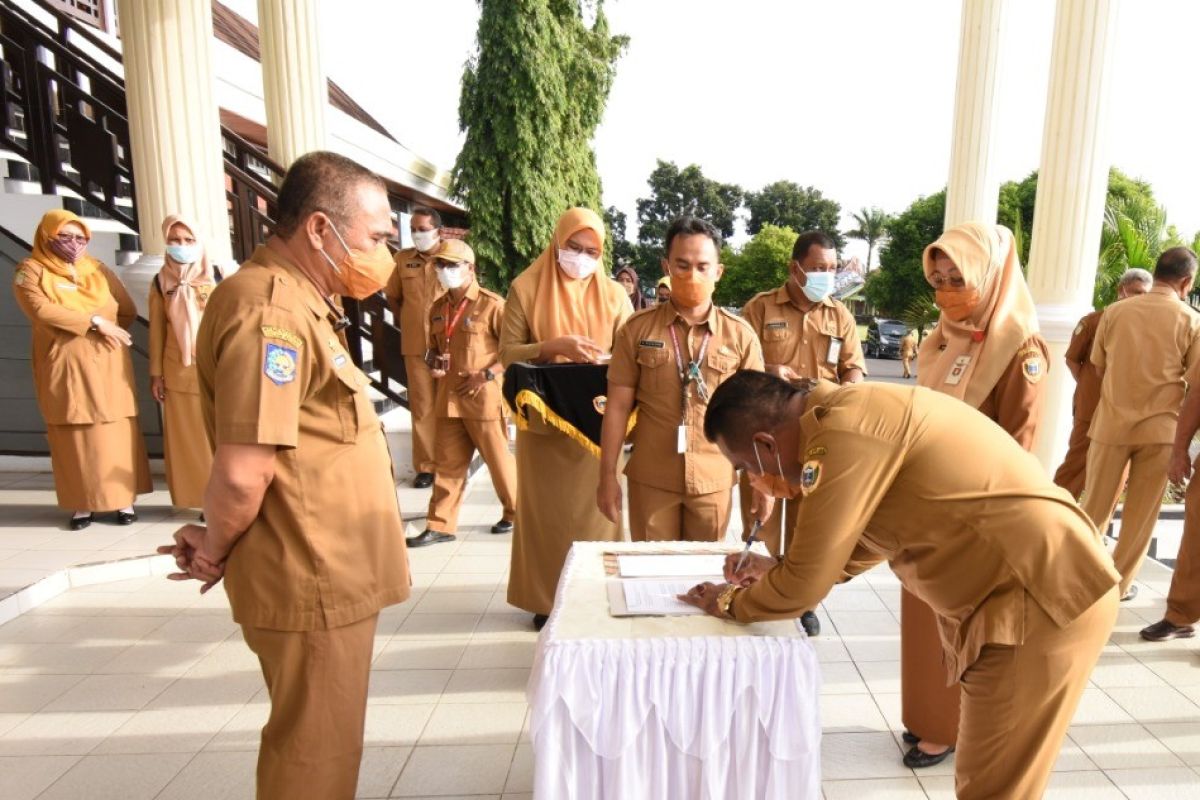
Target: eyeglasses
point(68, 238)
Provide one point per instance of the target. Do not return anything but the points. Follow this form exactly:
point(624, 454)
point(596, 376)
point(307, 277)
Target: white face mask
point(818, 285)
point(452, 277)
point(425, 240)
point(577, 265)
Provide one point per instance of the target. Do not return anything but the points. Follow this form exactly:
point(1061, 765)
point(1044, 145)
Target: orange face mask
point(771, 485)
point(361, 273)
point(689, 291)
point(957, 304)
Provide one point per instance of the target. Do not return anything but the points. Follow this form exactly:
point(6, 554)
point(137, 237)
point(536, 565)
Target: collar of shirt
point(1165, 290)
point(782, 298)
point(671, 315)
point(279, 262)
point(817, 397)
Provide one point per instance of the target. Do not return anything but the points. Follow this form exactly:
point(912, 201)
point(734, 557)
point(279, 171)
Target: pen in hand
point(751, 539)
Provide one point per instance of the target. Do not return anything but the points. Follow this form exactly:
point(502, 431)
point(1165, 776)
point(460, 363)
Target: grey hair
point(1135, 275)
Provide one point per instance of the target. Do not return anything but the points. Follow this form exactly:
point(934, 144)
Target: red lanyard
point(452, 324)
point(692, 370)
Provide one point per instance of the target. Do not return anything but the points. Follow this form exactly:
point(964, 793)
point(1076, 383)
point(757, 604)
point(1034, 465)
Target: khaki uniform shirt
point(1015, 402)
point(908, 346)
point(805, 341)
point(968, 520)
point(475, 344)
point(166, 357)
point(644, 358)
point(79, 379)
point(1145, 347)
point(327, 547)
point(410, 292)
point(1079, 351)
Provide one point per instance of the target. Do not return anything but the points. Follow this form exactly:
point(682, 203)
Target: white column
point(1072, 184)
point(174, 129)
point(972, 192)
point(294, 83)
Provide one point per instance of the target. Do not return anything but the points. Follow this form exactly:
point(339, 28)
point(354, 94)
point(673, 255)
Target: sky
point(855, 97)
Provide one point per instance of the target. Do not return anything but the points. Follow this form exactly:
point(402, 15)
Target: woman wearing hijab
point(177, 299)
point(79, 312)
point(559, 310)
point(628, 278)
point(987, 352)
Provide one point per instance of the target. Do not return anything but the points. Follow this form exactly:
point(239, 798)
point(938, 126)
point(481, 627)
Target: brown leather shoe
point(1162, 630)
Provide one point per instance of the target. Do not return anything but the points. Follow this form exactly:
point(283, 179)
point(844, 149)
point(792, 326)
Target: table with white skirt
point(686, 707)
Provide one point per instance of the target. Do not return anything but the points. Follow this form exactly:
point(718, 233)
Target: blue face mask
point(184, 253)
point(818, 286)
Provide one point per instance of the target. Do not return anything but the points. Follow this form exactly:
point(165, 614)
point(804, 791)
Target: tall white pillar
point(294, 83)
point(174, 129)
point(1072, 184)
point(973, 190)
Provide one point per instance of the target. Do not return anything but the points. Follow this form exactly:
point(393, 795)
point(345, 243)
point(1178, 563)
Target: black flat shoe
point(429, 537)
point(79, 523)
point(539, 621)
point(1162, 630)
point(126, 517)
point(423, 480)
point(910, 738)
point(1132, 593)
point(810, 623)
point(503, 526)
point(916, 758)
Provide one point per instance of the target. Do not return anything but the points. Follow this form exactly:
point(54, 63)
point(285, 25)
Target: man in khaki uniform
point(464, 346)
point(1072, 471)
point(1024, 592)
point(1146, 351)
point(301, 505)
point(668, 360)
point(410, 292)
point(908, 351)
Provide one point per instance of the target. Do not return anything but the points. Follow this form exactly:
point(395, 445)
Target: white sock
point(81, 514)
point(125, 510)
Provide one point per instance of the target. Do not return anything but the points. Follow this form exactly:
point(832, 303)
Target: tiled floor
point(143, 689)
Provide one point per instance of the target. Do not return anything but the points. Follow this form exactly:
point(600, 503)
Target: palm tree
point(1134, 235)
point(872, 227)
point(921, 315)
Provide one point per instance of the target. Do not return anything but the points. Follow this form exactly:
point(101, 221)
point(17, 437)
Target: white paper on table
point(660, 597)
point(671, 566)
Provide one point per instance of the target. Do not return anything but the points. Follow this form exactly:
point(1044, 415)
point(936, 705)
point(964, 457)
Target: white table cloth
point(658, 708)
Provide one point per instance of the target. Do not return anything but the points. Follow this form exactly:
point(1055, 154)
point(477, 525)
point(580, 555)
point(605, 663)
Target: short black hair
point(687, 225)
point(1175, 264)
point(806, 240)
point(320, 181)
point(749, 402)
point(426, 211)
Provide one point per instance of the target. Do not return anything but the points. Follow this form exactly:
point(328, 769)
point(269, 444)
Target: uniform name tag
point(958, 370)
point(651, 343)
point(681, 439)
point(413, 265)
point(775, 326)
point(339, 361)
point(438, 318)
point(835, 351)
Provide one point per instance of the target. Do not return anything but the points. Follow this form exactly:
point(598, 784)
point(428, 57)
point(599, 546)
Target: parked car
point(883, 338)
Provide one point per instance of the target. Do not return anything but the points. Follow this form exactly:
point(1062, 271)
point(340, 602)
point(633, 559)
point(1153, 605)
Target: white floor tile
point(214, 776)
point(25, 777)
point(459, 769)
point(877, 789)
point(474, 723)
point(117, 777)
point(1157, 784)
point(1122, 747)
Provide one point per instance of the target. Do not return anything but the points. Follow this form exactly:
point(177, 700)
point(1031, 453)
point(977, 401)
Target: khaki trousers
point(772, 533)
point(659, 515)
point(928, 707)
point(457, 441)
point(1017, 702)
point(1147, 464)
point(1183, 600)
point(907, 362)
point(1072, 472)
point(420, 404)
point(313, 741)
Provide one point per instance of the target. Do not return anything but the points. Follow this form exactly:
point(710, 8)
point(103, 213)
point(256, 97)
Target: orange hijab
point(558, 305)
point(178, 283)
point(988, 340)
point(80, 286)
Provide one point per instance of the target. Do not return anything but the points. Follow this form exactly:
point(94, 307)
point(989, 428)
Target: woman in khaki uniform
point(79, 311)
point(559, 310)
point(177, 299)
point(987, 352)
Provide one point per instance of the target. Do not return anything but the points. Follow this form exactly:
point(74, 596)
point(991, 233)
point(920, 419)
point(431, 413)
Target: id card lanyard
point(689, 374)
point(452, 323)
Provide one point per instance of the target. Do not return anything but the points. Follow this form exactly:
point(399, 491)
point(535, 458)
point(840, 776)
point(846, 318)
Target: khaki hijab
point(558, 305)
point(178, 284)
point(81, 286)
point(987, 257)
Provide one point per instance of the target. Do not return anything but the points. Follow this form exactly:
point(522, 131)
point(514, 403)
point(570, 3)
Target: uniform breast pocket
point(719, 367)
point(777, 342)
point(655, 367)
point(355, 411)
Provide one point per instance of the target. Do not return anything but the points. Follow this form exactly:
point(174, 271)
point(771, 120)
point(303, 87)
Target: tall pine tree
point(532, 98)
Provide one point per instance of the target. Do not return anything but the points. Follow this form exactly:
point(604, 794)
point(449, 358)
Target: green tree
point(786, 204)
point(620, 247)
point(762, 264)
point(872, 228)
point(675, 192)
point(1134, 234)
point(532, 97)
point(900, 279)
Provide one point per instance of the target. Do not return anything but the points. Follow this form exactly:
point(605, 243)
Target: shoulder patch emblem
point(813, 452)
point(283, 335)
point(810, 476)
point(20, 277)
point(1032, 368)
point(279, 364)
point(651, 343)
point(600, 403)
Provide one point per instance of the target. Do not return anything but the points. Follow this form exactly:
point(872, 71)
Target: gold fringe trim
point(528, 398)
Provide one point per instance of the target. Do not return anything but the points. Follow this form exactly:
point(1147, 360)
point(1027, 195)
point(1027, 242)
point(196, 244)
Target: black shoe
point(126, 517)
point(503, 526)
point(539, 621)
point(910, 738)
point(1162, 630)
point(916, 758)
point(423, 480)
point(1132, 593)
point(429, 537)
point(202, 516)
point(812, 625)
point(79, 523)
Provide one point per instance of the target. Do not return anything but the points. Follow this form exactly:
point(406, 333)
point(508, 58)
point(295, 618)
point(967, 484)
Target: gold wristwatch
point(725, 600)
